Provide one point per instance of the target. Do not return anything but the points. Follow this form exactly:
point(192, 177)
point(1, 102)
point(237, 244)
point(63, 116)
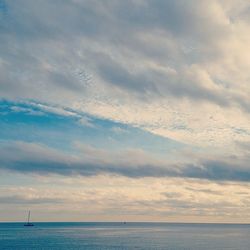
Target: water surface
point(169, 236)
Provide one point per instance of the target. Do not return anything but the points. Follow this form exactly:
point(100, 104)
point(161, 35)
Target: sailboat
point(28, 224)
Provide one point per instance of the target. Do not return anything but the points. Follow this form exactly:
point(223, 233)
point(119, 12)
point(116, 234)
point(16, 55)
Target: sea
point(169, 236)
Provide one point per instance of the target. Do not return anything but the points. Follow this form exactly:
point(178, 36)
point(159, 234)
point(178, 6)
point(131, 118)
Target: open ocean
point(169, 236)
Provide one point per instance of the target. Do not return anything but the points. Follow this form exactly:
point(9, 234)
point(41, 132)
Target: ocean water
point(169, 236)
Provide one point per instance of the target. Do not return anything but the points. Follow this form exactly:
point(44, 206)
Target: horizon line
point(159, 222)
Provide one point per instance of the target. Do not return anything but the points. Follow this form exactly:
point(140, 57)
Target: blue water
point(124, 236)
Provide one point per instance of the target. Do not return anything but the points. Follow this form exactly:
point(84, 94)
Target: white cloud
point(86, 121)
point(147, 199)
point(119, 130)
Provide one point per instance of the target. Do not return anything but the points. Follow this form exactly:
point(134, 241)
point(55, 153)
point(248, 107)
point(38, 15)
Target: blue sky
point(29, 122)
point(138, 110)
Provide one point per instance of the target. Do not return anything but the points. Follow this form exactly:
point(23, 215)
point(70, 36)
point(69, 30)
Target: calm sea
point(124, 236)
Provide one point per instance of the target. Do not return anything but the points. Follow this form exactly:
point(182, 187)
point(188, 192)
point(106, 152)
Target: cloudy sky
point(135, 110)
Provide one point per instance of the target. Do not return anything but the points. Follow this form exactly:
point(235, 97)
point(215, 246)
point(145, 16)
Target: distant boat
point(28, 224)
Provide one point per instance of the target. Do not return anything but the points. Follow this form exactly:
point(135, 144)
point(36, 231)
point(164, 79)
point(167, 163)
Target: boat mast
point(28, 222)
point(29, 217)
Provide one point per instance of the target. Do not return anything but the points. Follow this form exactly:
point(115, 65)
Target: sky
point(135, 110)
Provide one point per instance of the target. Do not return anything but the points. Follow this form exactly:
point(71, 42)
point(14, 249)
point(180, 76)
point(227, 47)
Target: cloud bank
point(39, 159)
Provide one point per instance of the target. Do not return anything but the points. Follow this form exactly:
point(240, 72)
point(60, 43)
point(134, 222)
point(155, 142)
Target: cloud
point(189, 58)
point(149, 198)
point(39, 159)
point(119, 130)
point(86, 121)
point(36, 108)
point(179, 69)
point(189, 82)
point(20, 200)
point(52, 109)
